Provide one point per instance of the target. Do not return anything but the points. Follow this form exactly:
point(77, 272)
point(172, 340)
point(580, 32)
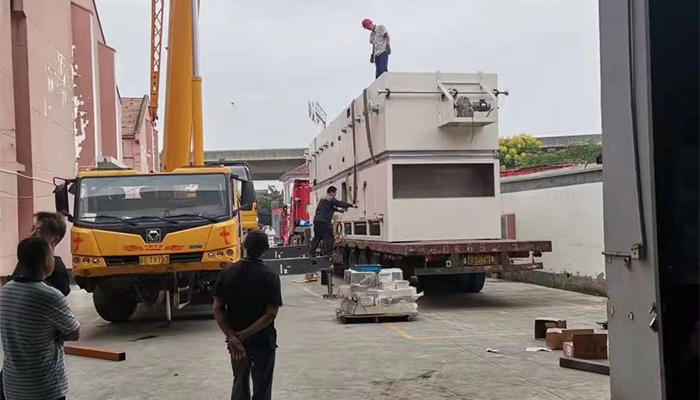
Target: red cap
point(366, 23)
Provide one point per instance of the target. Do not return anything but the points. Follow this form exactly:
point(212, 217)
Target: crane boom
point(156, 46)
point(182, 131)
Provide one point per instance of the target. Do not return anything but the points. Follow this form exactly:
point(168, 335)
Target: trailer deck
point(432, 247)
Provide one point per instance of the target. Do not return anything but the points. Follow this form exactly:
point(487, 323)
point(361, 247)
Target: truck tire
point(114, 306)
point(353, 257)
point(471, 283)
point(436, 284)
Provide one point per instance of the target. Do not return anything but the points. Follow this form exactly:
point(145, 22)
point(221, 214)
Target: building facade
point(139, 138)
point(60, 109)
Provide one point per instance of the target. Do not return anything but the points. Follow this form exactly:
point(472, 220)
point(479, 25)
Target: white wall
point(571, 217)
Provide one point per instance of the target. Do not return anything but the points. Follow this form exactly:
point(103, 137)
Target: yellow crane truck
point(139, 237)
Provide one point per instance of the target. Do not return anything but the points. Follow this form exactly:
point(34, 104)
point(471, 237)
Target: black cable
point(365, 112)
point(633, 115)
point(472, 138)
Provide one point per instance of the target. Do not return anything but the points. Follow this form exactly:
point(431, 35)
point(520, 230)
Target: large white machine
point(417, 153)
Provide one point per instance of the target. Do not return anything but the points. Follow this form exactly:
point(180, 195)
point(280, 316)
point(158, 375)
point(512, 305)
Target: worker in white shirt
point(379, 38)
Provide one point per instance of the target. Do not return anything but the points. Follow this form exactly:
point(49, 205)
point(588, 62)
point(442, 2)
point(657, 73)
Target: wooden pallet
point(363, 318)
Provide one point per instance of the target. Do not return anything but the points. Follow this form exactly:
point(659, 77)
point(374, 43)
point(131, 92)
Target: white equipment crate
point(417, 153)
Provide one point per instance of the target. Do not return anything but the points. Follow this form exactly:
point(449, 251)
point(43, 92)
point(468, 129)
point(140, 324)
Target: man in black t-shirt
point(247, 297)
point(323, 221)
point(52, 228)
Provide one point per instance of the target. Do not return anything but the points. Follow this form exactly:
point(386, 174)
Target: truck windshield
point(170, 196)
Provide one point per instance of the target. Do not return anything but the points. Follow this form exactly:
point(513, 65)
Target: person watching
point(52, 228)
point(35, 320)
point(247, 298)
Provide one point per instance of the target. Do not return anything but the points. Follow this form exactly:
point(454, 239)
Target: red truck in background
point(295, 221)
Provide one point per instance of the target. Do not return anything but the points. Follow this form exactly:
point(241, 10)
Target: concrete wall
point(8, 164)
point(566, 208)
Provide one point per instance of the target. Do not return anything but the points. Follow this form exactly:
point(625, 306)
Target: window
point(344, 191)
point(375, 228)
point(435, 181)
point(153, 196)
point(360, 228)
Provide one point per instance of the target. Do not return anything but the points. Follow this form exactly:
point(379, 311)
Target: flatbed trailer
point(464, 263)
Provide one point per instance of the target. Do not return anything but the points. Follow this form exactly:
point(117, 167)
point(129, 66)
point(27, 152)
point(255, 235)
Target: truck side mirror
point(247, 195)
point(60, 193)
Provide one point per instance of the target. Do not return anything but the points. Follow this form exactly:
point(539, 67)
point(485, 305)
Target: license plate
point(479, 259)
point(154, 260)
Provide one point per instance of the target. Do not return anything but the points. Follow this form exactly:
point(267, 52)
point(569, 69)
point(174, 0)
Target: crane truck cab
point(135, 236)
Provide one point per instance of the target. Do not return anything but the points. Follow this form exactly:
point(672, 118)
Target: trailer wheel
point(471, 283)
point(352, 258)
point(113, 305)
point(437, 284)
point(375, 258)
point(364, 257)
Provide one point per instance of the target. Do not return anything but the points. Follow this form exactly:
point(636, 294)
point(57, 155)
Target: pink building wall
point(42, 88)
point(139, 139)
point(8, 164)
point(47, 46)
point(111, 140)
point(86, 137)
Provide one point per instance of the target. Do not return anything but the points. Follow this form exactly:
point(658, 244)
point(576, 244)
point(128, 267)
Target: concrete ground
point(441, 355)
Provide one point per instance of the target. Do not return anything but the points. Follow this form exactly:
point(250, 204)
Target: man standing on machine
point(323, 222)
point(381, 48)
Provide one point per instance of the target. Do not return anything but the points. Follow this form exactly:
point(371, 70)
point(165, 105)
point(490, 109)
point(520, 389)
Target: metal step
point(286, 252)
point(298, 266)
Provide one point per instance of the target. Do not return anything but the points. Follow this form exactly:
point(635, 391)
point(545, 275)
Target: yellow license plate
point(154, 260)
point(479, 259)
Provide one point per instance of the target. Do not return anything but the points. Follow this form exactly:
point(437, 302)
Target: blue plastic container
point(367, 268)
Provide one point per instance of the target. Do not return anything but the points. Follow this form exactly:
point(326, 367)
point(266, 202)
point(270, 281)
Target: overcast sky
point(270, 56)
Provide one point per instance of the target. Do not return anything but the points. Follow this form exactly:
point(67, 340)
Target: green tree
point(511, 151)
point(265, 202)
point(573, 153)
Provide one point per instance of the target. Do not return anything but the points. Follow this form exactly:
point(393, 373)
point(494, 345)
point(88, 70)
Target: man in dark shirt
point(323, 221)
point(246, 300)
point(52, 228)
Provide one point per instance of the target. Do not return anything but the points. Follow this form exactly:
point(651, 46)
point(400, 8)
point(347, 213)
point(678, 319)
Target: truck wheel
point(352, 258)
point(436, 284)
point(374, 258)
point(114, 306)
point(471, 283)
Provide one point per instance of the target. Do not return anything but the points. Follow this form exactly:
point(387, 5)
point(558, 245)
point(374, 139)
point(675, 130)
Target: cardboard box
point(587, 346)
point(554, 339)
point(568, 334)
point(541, 326)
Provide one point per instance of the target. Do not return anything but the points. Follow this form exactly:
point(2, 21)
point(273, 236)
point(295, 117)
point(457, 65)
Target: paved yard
point(441, 355)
